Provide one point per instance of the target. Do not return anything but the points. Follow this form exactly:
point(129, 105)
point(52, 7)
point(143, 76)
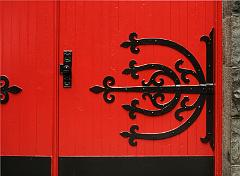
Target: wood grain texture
point(94, 31)
point(28, 60)
point(32, 48)
point(219, 90)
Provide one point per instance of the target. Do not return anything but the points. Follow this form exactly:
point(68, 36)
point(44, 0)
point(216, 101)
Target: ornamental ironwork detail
point(5, 89)
point(155, 88)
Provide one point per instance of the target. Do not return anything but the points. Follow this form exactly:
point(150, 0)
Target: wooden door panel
point(94, 31)
point(99, 134)
point(28, 61)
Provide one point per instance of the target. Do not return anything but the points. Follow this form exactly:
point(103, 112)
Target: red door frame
point(218, 93)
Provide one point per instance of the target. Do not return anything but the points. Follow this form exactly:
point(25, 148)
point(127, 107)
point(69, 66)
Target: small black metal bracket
point(154, 89)
point(66, 69)
point(5, 89)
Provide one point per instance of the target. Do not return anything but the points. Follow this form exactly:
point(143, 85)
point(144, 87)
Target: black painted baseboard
point(25, 166)
point(136, 166)
point(109, 166)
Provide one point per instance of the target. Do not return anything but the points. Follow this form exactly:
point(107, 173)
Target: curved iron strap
point(178, 89)
point(154, 89)
point(133, 135)
point(5, 89)
point(133, 43)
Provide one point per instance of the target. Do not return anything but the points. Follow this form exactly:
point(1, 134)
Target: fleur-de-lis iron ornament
point(154, 89)
point(5, 89)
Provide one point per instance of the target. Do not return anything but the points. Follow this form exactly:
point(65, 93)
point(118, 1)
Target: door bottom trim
point(25, 166)
point(137, 166)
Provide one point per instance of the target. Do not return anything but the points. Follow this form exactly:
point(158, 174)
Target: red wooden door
point(28, 85)
point(145, 92)
point(139, 104)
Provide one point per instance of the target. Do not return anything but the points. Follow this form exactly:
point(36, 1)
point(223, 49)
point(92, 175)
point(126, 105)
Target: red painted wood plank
point(218, 94)
point(28, 60)
point(94, 30)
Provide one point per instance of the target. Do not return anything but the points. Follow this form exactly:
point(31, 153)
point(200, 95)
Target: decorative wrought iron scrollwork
point(5, 89)
point(155, 88)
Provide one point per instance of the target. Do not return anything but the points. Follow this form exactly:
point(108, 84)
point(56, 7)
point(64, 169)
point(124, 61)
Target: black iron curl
point(5, 89)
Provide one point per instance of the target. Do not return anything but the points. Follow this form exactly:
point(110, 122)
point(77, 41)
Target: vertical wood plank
point(27, 59)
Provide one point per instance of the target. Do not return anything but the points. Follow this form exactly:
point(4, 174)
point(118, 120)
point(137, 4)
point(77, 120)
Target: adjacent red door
point(28, 86)
point(143, 85)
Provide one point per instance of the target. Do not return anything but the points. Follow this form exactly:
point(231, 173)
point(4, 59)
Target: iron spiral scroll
point(154, 89)
point(5, 89)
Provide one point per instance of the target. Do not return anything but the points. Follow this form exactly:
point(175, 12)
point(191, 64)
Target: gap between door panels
point(55, 127)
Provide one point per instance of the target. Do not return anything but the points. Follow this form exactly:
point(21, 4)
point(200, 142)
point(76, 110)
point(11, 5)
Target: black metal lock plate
point(66, 69)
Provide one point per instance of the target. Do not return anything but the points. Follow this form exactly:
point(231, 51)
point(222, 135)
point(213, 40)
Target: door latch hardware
point(66, 69)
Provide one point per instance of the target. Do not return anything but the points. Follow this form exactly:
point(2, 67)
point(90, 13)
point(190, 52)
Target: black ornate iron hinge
point(5, 89)
point(154, 89)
